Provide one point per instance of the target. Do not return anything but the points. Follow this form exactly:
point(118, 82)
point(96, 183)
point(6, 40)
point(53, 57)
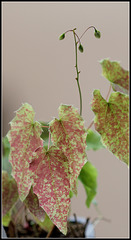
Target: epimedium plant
point(42, 162)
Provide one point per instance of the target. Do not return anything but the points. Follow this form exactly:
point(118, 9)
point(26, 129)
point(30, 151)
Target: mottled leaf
point(93, 140)
point(118, 77)
point(32, 203)
point(88, 176)
point(39, 215)
point(9, 192)
point(51, 183)
point(112, 122)
point(69, 135)
point(24, 138)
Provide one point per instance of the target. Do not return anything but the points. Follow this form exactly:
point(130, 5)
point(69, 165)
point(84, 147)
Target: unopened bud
point(81, 48)
point(62, 36)
point(97, 34)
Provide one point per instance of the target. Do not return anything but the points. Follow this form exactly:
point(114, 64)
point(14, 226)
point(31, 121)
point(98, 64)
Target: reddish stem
point(49, 141)
point(90, 124)
point(108, 93)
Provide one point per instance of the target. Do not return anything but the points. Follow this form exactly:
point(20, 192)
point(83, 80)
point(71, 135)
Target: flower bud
point(62, 36)
point(97, 34)
point(81, 48)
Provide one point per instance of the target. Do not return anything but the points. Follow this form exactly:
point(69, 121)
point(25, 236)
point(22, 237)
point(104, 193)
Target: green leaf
point(47, 224)
point(88, 176)
point(97, 34)
point(62, 36)
point(118, 77)
point(9, 192)
point(112, 122)
point(93, 140)
point(71, 194)
point(6, 218)
point(69, 135)
point(45, 134)
point(24, 139)
point(51, 184)
point(5, 155)
point(81, 48)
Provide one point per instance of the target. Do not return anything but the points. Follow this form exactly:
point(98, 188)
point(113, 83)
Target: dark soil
point(75, 230)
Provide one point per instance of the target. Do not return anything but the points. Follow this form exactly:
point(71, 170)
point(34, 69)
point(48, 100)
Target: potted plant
point(43, 161)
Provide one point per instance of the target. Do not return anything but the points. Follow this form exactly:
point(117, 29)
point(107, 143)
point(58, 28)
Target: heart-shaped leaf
point(51, 183)
point(69, 135)
point(118, 77)
point(24, 138)
point(112, 122)
point(9, 193)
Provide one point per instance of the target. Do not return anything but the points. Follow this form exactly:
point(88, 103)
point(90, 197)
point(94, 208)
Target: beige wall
point(39, 69)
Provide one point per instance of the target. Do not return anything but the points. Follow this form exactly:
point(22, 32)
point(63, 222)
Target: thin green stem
point(86, 31)
point(77, 72)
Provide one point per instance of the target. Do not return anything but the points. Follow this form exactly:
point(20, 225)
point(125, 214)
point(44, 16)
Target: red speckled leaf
point(51, 183)
point(9, 192)
point(112, 122)
point(32, 203)
point(69, 135)
point(24, 138)
point(118, 77)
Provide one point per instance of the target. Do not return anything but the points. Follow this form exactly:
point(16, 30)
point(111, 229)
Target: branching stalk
point(77, 72)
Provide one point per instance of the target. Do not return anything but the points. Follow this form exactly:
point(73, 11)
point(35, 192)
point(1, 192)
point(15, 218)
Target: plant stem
point(49, 140)
point(108, 93)
point(74, 33)
point(90, 124)
point(86, 31)
point(77, 78)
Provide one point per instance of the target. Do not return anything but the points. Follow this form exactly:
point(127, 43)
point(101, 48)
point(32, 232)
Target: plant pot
point(4, 235)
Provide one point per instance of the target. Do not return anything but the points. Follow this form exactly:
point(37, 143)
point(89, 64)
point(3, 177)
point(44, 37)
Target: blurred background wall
point(39, 69)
